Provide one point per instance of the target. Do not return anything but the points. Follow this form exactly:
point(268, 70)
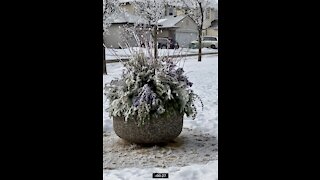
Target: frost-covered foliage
point(196, 9)
point(110, 7)
point(151, 10)
point(150, 88)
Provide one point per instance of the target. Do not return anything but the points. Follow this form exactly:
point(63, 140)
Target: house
point(210, 22)
point(127, 5)
point(210, 16)
point(212, 30)
point(174, 24)
point(120, 31)
point(181, 28)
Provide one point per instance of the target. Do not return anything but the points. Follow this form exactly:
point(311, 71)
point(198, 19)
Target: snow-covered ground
point(194, 172)
point(124, 53)
point(204, 129)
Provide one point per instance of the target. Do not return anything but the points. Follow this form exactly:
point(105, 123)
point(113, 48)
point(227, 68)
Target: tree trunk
point(104, 61)
point(200, 32)
point(155, 41)
point(200, 44)
point(104, 65)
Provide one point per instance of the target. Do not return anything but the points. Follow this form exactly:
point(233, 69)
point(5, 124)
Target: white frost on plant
point(151, 10)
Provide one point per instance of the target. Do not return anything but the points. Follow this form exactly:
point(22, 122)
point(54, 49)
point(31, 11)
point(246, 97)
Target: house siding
point(187, 23)
point(116, 36)
point(180, 12)
point(211, 32)
point(186, 32)
point(129, 8)
point(111, 40)
point(207, 22)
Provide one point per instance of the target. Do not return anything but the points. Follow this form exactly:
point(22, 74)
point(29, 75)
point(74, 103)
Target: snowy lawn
point(193, 155)
point(124, 53)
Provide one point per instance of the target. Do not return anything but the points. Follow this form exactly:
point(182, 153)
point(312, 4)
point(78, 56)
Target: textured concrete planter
point(158, 130)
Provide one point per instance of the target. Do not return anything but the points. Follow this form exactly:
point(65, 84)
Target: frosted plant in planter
point(150, 99)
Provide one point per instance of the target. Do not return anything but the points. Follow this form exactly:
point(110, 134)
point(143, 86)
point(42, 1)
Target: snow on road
point(196, 157)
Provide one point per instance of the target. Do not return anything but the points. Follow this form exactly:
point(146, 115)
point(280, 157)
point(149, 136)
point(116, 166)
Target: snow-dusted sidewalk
point(191, 147)
point(193, 155)
point(208, 171)
point(112, 54)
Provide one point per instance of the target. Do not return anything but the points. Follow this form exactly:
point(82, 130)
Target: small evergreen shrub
point(149, 88)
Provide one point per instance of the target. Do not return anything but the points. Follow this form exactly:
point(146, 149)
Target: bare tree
point(106, 11)
point(151, 11)
point(195, 9)
point(109, 7)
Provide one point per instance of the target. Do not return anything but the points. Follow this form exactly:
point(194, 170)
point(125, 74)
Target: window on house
point(208, 13)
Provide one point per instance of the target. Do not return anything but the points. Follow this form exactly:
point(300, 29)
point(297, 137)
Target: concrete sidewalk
point(174, 56)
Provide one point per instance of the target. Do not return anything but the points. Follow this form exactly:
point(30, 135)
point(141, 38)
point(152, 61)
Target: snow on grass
point(125, 53)
point(198, 138)
point(204, 75)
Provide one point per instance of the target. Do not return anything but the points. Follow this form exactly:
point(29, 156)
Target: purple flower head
point(189, 83)
point(179, 71)
point(135, 102)
point(146, 95)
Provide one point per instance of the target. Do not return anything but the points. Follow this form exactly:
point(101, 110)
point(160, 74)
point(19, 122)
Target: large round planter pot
point(159, 130)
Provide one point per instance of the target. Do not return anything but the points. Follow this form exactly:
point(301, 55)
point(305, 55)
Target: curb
point(174, 56)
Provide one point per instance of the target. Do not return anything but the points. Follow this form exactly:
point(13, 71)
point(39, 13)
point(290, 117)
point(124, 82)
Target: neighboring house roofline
point(175, 19)
point(168, 27)
point(126, 18)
